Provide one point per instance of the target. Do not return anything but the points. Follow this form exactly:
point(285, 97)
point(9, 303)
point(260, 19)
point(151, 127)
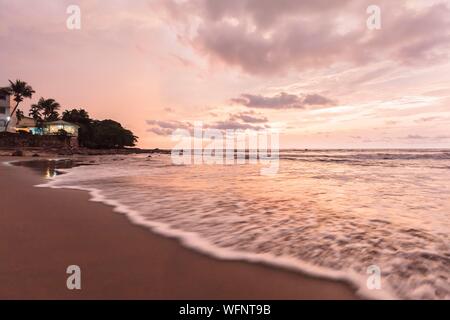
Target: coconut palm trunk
point(11, 115)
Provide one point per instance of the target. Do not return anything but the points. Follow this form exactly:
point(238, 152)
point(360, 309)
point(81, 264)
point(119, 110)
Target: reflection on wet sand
point(50, 168)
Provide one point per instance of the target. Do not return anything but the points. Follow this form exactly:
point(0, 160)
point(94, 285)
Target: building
point(6, 106)
point(30, 125)
point(48, 129)
point(55, 127)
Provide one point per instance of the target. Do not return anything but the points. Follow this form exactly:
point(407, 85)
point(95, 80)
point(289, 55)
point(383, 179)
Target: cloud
point(160, 131)
point(420, 137)
point(317, 100)
point(170, 124)
point(233, 125)
point(166, 128)
point(282, 101)
point(249, 117)
point(264, 13)
point(271, 37)
point(415, 137)
point(427, 119)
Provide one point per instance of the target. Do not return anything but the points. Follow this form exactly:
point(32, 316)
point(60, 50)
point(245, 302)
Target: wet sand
point(43, 231)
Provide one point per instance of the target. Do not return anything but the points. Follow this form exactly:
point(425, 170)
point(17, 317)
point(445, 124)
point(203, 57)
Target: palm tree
point(20, 90)
point(49, 108)
point(19, 115)
point(35, 112)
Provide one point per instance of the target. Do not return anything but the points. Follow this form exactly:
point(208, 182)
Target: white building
point(6, 106)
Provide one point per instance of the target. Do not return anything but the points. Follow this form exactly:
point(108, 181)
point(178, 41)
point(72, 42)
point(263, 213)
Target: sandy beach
point(43, 231)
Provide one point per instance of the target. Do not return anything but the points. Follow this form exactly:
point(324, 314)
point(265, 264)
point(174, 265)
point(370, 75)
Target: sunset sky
point(311, 68)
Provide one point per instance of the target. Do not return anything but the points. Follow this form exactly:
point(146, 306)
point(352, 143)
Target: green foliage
point(108, 134)
point(99, 134)
point(79, 116)
point(62, 134)
point(35, 112)
point(49, 109)
point(20, 90)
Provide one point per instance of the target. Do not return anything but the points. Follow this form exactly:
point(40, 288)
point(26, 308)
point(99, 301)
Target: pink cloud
point(282, 100)
point(271, 37)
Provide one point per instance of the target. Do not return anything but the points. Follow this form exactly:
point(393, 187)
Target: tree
point(99, 134)
point(108, 134)
point(19, 115)
point(49, 108)
point(62, 134)
point(20, 90)
point(81, 118)
point(35, 112)
point(78, 116)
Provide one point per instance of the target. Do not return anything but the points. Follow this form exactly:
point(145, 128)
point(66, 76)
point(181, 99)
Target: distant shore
point(43, 231)
point(48, 152)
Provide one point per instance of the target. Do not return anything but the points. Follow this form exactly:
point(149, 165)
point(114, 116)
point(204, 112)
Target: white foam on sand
point(195, 241)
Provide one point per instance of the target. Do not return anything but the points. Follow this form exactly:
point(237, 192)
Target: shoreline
point(124, 260)
point(42, 153)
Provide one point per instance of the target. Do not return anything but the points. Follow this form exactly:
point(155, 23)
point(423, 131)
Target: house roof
point(26, 122)
point(62, 123)
point(5, 90)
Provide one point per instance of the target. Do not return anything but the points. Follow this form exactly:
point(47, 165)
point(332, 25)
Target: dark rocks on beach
point(17, 153)
point(65, 153)
point(156, 151)
point(35, 155)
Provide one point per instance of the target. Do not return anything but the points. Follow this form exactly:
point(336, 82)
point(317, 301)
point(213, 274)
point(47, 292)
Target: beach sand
point(43, 231)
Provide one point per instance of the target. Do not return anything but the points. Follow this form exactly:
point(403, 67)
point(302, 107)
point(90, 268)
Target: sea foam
point(328, 221)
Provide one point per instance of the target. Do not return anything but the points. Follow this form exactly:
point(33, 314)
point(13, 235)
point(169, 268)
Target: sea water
point(328, 213)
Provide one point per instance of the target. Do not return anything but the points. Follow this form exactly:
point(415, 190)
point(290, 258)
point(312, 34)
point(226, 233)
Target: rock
point(35, 155)
point(17, 153)
point(65, 153)
point(157, 151)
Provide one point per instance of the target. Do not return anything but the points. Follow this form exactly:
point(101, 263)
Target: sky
point(312, 69)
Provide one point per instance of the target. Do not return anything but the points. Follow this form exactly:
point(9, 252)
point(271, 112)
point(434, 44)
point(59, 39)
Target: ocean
point(329, 213)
